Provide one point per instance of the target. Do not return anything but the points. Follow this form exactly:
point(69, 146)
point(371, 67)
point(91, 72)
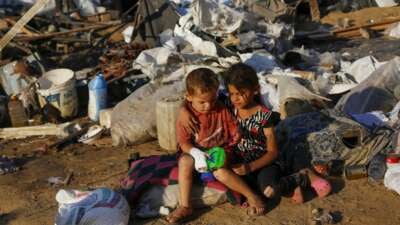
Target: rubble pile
point(331, 104)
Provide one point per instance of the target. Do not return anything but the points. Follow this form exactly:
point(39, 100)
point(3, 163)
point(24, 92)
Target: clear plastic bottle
point(17, 113)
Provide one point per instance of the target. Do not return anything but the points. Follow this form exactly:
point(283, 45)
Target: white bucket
point(57, 87)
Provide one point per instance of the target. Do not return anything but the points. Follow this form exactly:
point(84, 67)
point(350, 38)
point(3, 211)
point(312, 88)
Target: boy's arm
point(189, 121)
point(183, 135)
point(270, 155)
point(184, 139)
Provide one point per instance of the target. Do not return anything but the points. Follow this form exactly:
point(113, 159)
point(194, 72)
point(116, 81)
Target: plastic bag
point(133, 120)
point(392, 179)
point(100, 207)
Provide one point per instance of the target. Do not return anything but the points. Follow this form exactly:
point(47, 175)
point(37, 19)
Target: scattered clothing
point(7, 165)
point(161, 170)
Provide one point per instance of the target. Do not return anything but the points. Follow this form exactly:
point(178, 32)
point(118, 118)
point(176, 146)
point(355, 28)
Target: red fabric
point(217, 128)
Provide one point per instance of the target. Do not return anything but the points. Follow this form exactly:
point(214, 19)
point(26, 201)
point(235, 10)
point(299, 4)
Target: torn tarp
point(215, 19)
point(376, 93)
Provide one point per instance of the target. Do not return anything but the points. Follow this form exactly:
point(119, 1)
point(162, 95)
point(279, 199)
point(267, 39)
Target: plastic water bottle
point(392, 176)
point(97, 96)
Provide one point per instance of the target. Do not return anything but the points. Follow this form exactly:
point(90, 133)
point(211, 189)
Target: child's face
point(241, 98)
point(202, 102)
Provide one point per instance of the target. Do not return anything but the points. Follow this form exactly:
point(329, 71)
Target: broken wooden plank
point(62, 130)
point(314, 9)
point(56, 34)
point(3, 24)
point(355, 30)
point(23, 29)
point(21, 22)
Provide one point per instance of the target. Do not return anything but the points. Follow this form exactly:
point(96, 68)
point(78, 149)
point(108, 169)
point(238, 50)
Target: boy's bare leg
point(234, 182)
point(186, 166)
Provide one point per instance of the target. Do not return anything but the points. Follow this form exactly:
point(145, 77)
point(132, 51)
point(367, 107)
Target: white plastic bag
point(100, 207)
point(133, 120)
point(385, 3)
point(392, 179)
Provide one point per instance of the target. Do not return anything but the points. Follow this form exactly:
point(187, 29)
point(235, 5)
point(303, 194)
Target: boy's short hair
point(201, 80)
point(241, 76)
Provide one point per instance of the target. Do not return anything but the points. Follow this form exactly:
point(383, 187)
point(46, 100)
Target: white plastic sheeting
point(133, 120)
point(385, 3)
point(362, 68)
point(393, 31)
point(289, 87)
point(375, 93)
point(261, 61)
point(214, 18)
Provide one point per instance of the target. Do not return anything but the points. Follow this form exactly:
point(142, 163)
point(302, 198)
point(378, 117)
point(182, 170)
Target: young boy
point(217, 127)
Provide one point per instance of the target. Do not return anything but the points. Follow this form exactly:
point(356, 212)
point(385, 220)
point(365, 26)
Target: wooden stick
point(23, 29)
point(351, 31)
point(314, 9)
point(21, 23)
point(55, 34)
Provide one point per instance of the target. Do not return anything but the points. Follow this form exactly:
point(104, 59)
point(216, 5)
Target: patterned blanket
point(161, 170)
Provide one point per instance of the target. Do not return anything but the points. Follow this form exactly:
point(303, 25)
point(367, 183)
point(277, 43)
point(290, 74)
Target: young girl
point(255, 155)
point(257, 150)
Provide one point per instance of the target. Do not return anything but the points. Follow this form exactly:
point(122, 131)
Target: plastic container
point(17, 113)
point(392, 175)
point(166, 116)
point(57, 87)
point(97, 96)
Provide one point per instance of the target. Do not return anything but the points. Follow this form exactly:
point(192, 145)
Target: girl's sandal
point(180, 215)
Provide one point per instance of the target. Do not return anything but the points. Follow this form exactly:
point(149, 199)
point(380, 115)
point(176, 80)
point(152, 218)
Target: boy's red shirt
point(216, 128)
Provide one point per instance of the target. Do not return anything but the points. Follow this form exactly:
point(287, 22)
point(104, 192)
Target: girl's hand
point(241, 169)
point(188, 120)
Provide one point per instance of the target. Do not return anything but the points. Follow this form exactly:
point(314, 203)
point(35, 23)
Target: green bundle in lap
point(216, 159)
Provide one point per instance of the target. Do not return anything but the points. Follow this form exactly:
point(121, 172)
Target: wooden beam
point(61, 130)
point(314, 9)
point(21, 23)
point(355, 31)
point(56, 34)
point(23, 29)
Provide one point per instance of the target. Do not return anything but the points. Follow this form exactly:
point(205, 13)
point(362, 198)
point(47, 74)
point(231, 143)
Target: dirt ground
point(27, 199)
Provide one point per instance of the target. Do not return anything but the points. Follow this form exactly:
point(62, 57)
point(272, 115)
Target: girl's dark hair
point(241, 76)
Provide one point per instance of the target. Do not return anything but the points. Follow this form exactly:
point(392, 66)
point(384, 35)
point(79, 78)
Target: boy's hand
point(199, 157)
point(189, 122)
point(241, 169)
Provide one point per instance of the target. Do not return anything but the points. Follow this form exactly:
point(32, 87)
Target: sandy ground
point(27, 199)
